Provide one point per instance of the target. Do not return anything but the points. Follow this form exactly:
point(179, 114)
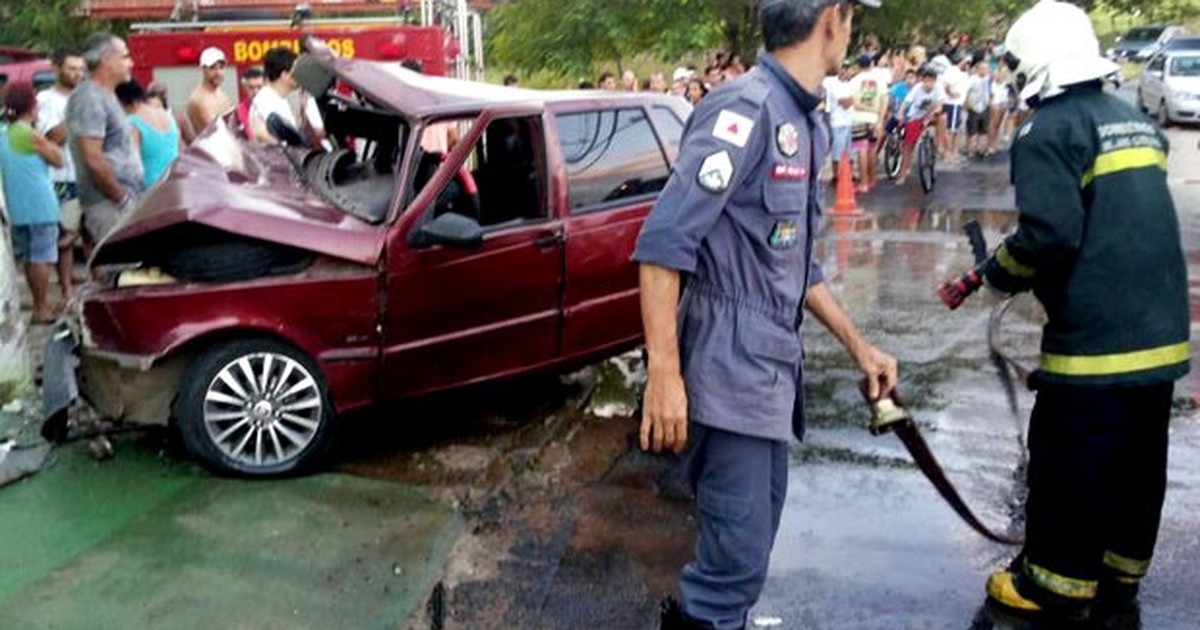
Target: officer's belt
point(788, 314)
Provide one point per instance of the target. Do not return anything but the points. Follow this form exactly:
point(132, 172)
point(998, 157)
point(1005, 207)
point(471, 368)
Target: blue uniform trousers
point(740, 483)
point(1097, 477)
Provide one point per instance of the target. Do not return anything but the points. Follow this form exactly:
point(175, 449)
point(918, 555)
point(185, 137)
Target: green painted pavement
point(150, 542)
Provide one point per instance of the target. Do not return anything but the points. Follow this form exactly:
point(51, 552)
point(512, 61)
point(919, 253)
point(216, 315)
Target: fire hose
point(889, 414)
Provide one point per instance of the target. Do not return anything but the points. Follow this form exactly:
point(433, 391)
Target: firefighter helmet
point(1052, 46)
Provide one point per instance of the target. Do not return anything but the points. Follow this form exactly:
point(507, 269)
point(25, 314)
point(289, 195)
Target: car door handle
point(548, 242)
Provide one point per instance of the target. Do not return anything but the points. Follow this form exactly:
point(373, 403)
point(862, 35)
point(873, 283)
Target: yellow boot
point(1002, 590)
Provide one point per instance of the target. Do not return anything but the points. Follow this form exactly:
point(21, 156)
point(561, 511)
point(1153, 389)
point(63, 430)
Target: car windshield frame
point(1193, 71)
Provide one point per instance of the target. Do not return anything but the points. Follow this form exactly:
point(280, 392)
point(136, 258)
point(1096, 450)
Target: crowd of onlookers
point(76, 156)
point(965, 94)
point(687, 82)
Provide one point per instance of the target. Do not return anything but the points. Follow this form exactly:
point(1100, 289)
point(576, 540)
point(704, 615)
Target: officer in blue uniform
point(738, 219)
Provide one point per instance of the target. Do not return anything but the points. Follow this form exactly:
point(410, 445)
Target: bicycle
point(924, 153)
point(893, 150)
point(927, 158)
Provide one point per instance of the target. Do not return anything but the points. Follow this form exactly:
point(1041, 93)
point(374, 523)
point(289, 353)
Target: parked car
point(18, 65)
point(1141, 43)
point(1170, 87)
point(261, 291)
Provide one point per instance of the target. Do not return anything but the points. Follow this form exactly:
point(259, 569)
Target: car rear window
point(1143, 34)
point(610, 156)
point(1184, 43)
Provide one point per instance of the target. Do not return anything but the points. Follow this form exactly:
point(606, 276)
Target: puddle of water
point(618, 384)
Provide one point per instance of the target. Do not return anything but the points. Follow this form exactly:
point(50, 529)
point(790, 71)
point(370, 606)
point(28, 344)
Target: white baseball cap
point(682, 74)
point(211, 57)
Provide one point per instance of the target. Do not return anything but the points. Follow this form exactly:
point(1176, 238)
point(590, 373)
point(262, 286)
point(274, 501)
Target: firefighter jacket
point(1098, 243)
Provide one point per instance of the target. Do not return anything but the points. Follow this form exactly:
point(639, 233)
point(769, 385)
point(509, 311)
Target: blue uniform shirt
point(738, 218)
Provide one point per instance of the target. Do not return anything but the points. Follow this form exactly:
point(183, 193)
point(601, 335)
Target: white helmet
point(1052, 46)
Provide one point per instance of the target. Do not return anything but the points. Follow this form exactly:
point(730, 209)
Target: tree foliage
point(44, 24)
point(1156, 10)
point(574, 37)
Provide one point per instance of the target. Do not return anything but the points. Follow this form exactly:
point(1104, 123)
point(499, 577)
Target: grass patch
point(9, 390)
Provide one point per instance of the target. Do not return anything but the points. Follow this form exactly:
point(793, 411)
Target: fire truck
point(445, 36)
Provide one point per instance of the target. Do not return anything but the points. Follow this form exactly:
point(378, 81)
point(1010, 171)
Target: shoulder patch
point(716, 172)
point(733, 128)
point(1025, 130)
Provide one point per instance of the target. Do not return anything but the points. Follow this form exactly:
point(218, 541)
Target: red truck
point(445, 36)
point(260, 291)
point(18, 65)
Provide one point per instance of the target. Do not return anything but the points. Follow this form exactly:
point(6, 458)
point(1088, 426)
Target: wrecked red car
point(455, 233)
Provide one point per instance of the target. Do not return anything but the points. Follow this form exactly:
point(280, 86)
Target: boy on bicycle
point(923, 100)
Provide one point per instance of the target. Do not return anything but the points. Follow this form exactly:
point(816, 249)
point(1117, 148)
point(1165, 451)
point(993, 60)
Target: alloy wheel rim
point(262, 409)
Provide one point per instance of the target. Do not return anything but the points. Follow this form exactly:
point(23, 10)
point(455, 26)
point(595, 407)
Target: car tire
point(1164, 115)
point(234, 261)
point(255, 408)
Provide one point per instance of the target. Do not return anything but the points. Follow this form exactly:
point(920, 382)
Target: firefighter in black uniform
point(1098, 243)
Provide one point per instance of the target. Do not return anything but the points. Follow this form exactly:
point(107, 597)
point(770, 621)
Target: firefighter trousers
point(1097, 476)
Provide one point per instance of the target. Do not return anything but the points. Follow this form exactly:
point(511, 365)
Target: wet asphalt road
point(865, 541)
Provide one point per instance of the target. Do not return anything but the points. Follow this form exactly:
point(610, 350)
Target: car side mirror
point(450, 229)
point(284, 132)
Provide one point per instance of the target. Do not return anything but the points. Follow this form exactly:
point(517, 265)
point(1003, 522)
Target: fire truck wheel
point(255, 408)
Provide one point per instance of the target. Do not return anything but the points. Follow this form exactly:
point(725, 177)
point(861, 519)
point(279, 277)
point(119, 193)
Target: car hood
point(225, 183)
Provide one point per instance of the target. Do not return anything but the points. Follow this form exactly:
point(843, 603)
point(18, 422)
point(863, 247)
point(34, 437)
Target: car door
point(1154, 83)
point(456, 315)
point(613, 166)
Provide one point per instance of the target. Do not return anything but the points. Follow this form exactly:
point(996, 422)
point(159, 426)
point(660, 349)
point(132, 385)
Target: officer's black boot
point(672, 617)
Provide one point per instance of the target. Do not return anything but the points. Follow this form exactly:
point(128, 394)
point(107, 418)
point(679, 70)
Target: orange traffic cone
point(845, 204)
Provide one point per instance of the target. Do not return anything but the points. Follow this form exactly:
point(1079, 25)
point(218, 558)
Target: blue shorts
point(955, 117)
point(36, 243)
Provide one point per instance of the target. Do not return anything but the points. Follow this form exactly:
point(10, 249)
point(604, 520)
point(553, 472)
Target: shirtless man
point(208, 101)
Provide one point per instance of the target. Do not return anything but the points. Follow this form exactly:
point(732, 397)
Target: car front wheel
point(1164, 115)
point(255, 408)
